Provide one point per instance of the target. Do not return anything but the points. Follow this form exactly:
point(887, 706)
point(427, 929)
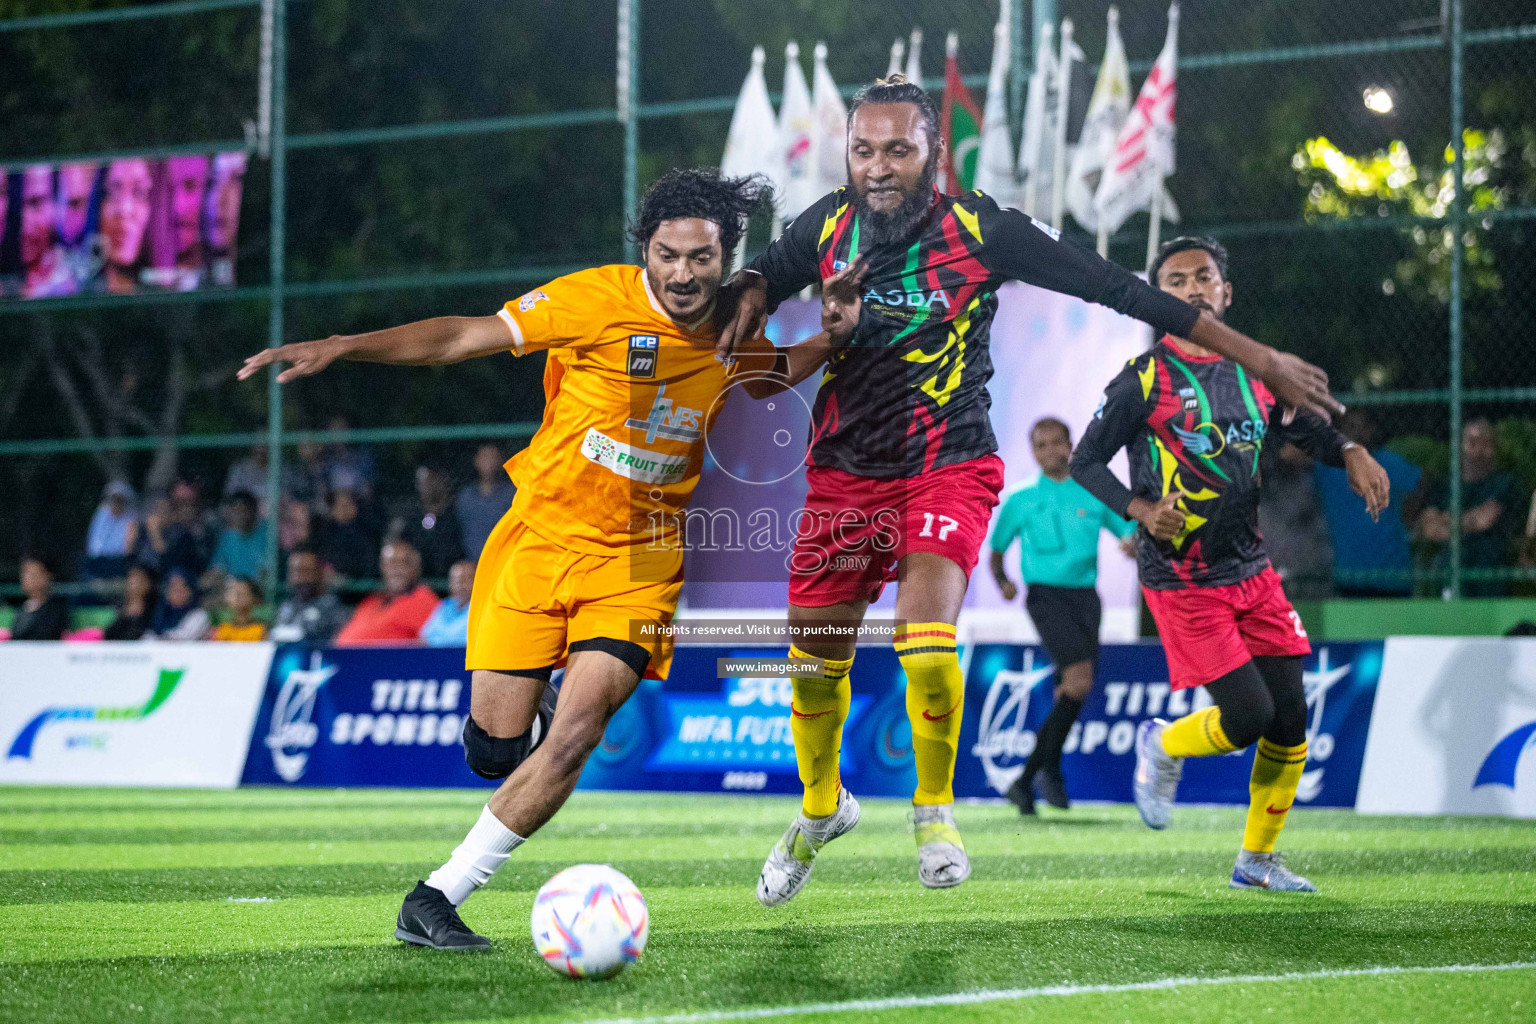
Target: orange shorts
point(533, 598)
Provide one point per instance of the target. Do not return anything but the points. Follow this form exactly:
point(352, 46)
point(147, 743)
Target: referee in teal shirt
point(1057, 524)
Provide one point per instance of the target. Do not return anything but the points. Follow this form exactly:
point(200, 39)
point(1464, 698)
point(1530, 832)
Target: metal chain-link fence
point(437, 164)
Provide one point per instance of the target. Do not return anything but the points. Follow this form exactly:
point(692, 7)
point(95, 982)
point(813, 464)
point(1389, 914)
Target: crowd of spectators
point(179, 566)
point(172, 567)
point(1324, 544)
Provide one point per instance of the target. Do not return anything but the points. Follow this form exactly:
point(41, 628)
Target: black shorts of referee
point(1067, 619)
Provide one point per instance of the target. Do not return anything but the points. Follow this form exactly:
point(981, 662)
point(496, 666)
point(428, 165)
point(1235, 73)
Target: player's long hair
point(898, 89)
point(701, 192)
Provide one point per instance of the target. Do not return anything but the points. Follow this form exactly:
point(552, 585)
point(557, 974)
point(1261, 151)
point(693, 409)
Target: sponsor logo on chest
point(633, 463)
point(666, 419)
point(644, 350)
point(909, 299)
point(1210, 439)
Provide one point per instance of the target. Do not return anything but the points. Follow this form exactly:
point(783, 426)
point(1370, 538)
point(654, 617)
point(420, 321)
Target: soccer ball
point(590, 921)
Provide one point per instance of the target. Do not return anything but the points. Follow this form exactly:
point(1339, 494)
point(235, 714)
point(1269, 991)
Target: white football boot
point(941, 859)
point(1267, 871)
point(790, 861)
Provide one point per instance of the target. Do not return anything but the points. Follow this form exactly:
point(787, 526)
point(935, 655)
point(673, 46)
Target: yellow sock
point(816, 716)
point(1197, 735)
point(1271, 791)
point(935, 695)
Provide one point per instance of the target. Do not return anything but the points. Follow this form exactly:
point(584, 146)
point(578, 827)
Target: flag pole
point(1155, 229)
point(1059, 152)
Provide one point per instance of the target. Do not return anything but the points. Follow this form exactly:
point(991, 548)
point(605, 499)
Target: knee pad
point(494, 757)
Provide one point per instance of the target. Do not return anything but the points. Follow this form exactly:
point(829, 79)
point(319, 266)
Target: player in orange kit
point(570, 574)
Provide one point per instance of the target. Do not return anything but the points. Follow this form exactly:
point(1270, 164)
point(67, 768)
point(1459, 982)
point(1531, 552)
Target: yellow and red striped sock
point(1271, 791)
point(1197, 735)
point(816, 714)
point(935, 701)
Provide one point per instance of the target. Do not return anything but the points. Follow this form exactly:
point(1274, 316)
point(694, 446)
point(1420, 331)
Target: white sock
point(476, 859)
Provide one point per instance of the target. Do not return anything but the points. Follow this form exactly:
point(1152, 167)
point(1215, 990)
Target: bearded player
point(903, 472)
point(570, 576)
point(1194, 426)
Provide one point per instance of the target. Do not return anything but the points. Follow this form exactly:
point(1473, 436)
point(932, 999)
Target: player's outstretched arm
point(1368, 479)
point(1324, 443)
point(747, 295)
point(841, 304)
point(789, 264)
point(1293, 380)
point(1019, 248)
point(435, 342)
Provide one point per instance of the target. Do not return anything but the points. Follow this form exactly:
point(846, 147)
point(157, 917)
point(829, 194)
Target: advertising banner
point(386, 716)
point(121, 226)
point(1009, 693)
point(1454, 729)
point(699, 732)
point(142, 714)
point(393, 717)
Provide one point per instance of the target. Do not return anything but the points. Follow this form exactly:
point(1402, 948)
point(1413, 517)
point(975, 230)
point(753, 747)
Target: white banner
point(1052, 355)
point(129, 714)
point(1453, 718)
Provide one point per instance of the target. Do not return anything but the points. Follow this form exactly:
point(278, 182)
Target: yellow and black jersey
point(909, 392)
point(1196, 424)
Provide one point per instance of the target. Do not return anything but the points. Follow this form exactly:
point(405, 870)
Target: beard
point(883, 227)
point(1206, 307)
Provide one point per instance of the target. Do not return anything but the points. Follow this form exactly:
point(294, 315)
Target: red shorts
point(854, 529)
point(1209, 631)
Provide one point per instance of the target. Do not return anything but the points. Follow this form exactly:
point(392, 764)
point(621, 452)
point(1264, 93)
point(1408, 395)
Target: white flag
point(829, 137)
point(1144, 152)
point(915, 57)
point(898, 48)
point(1039, 113)
point(1043, 109)
point(994, 165)
point(1060, 145)
point(796, 123)
point(1107, 111)
point(752, 146)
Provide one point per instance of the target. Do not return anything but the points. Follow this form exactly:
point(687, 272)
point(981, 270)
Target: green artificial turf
point(129, 906)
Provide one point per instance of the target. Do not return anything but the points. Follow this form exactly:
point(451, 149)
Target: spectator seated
point(238, 622)
point(113, 535)
point(44, 615)
point(310, 615)
point(396, 613)
point(242, 546)
point(449, 624)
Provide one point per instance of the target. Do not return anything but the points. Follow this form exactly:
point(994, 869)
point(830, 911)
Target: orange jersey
point(629, 395)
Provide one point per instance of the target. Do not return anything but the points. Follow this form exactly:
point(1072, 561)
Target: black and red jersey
point(908, 393)
point(1196, 424)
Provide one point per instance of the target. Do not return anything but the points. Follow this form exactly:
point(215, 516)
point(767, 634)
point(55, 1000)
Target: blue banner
point(393, 717)
point(1009, 693)
point(698, 733)
point(363, 717)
